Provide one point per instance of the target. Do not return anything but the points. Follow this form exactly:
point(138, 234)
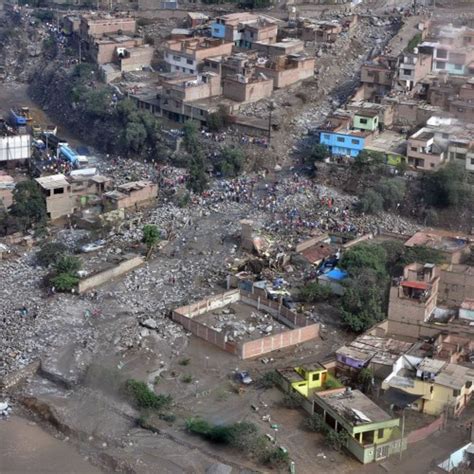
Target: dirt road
point(26, 448)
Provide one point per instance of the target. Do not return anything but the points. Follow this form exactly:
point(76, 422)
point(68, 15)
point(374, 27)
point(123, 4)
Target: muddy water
point(26, 448)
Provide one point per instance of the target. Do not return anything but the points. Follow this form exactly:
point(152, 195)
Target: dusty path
point(26, 448)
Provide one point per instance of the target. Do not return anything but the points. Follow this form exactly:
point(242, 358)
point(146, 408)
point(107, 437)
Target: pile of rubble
point(237, 329)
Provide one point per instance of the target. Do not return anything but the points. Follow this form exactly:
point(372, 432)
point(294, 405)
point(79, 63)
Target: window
point(177, 58)
point(472, 161)
point(58, 191)
point(326, 136)
point(315, 377)
point(380, 433)
point(456, 393)
point(370, 73)
point(363, 120)
point(340, 139)
point(458, 67)
point(469, 382)
point(432, 165)
point(407, 72)
point(189, 61)
point(355, 142)
point(442, 53)
point(414, 148)
point(440, 65)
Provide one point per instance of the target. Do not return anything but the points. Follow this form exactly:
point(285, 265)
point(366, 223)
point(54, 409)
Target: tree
point(197, 180)
point(96, 103)
point(314, 292)
point(365, 378)
point(319, 152)
point(364, 300)
point(190, 137)
point(392, 192)
point(28, 204)
point(51, 253)
point(151, 236)
point(365, 256)
point(218, 120)
point(447, 187)
point(135, 136)
point(371, 202)
point(232, 161)
point(368, 162)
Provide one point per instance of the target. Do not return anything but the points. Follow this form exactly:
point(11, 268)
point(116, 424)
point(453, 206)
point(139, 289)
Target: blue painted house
point(218, 30)
point(343, 143)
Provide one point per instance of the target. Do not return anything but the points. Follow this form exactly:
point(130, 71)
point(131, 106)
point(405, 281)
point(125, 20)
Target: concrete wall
point(139, 58)
point(103, 277)
point(456, 284)
point(247, 92)
point(286, 77)
point(97, 28)
point(137, 197)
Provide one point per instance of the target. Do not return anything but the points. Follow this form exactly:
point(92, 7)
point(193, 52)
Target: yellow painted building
point(439, 384)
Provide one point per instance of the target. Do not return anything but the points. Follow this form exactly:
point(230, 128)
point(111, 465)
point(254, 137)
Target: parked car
point(243, 377)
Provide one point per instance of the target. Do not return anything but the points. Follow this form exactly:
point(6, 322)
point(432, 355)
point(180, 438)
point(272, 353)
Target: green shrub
point(316, 423)
point(313, 292)
point(64, 281)
point(68, 264)
point(332, 383)
point(187, 378)
point(276, 457)
point(268, 380)
point(291, 400)
point(184, 361)
point(51, 253)
point(143, 397)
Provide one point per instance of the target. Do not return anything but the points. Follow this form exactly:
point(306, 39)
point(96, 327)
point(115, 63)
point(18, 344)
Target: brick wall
point(423, 433)
point(204, 332)
point(268, 344)
point(303, 330)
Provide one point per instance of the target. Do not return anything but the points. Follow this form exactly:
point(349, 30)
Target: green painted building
point(373, 434)
point(367, 120)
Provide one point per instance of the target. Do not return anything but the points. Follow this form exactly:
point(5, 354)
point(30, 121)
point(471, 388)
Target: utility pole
point(403, 433)
point(271, 108)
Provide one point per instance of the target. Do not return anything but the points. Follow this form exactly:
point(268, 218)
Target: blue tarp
point(337, 274)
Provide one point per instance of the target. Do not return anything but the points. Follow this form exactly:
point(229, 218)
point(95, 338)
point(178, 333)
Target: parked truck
point(19, 116)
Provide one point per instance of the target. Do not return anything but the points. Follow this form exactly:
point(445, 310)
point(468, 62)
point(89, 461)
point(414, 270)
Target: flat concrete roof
point(354, 407)
point(53, 181)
